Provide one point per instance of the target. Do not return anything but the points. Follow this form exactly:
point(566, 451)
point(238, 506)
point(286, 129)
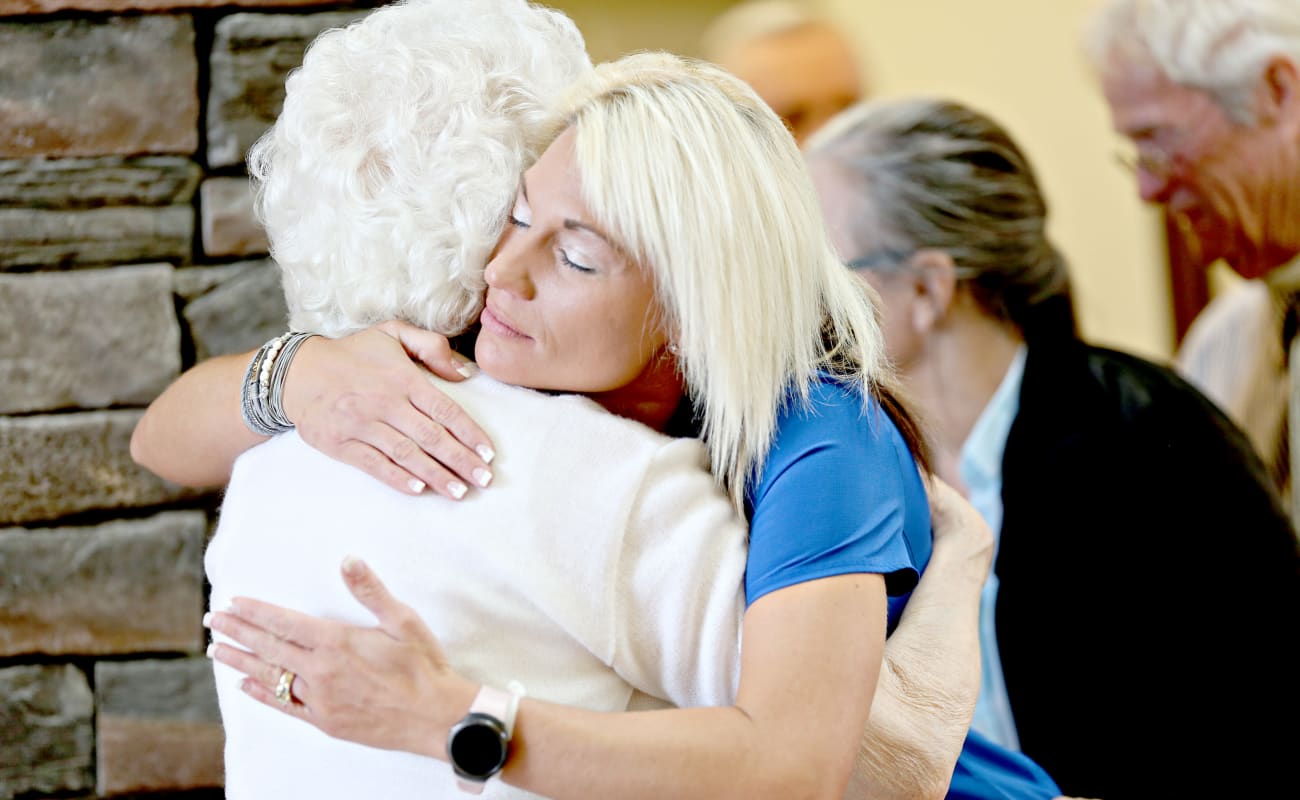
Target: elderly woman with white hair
point(609, 280)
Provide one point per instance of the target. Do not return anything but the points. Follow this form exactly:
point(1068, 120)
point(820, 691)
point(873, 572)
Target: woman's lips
point(499, 325)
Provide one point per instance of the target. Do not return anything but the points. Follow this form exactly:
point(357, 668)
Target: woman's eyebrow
point(578, 225)
point(573, 224)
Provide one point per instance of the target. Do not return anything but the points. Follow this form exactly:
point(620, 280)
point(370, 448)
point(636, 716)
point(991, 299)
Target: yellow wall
point(615, 27)
point(1017, 60)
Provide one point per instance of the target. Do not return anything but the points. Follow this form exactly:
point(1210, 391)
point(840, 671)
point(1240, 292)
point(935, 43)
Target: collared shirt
point(1233, 353)
point(981, 471)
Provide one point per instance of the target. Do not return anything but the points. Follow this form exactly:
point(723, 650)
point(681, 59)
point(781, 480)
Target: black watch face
point(478, 749)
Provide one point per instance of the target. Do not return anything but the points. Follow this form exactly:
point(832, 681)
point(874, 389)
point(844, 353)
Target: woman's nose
point(508, 270)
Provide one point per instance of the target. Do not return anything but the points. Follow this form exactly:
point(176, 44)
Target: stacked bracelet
point(262, 395)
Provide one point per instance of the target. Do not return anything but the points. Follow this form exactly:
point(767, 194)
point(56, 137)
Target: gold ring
point(284, 688)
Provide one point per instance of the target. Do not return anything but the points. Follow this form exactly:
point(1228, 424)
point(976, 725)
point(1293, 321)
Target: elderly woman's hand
point(362, 400)
point(930, 679)
point(388, 686)
point(959, 530)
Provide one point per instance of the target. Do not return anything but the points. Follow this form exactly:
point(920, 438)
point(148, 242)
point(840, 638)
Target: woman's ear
point(936, 285)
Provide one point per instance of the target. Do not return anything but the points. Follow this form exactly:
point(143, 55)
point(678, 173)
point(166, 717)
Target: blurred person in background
point(802, 66)
point(1208, 93)
point(1144, 598)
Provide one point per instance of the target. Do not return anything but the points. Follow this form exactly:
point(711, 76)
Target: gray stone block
point(240, 314)
point(228, 223)
point(87, 339)
point(174, 688)
point(52, 466)
point(252, 54)
point(126, 586)
point(194, 282)
point(64, 183)
point(158, 726)
point(45, 716)
point(73, 87)
point(34, 238)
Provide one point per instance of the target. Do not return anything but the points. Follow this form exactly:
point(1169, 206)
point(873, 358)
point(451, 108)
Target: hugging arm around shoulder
point(811, 652)
point(800, 710)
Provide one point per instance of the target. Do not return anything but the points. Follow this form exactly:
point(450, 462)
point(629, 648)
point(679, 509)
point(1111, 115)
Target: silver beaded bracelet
point(262, 393)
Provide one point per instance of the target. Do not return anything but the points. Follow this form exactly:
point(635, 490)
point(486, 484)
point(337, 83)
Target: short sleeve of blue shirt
point(840, 493)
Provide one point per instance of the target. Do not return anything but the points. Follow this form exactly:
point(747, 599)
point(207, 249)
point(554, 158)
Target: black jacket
point(1149, 587)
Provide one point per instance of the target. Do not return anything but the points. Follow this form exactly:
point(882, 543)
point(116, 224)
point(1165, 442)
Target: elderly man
point(1208, 91)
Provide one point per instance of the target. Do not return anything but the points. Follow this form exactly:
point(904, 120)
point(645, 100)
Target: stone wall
point(128, 251)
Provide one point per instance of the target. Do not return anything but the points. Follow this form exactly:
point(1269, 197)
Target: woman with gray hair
point(1120, 495)
point(628, 240)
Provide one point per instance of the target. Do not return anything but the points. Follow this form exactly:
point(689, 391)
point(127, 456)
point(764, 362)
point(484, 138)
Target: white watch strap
point(516, 691)
point(502, 704)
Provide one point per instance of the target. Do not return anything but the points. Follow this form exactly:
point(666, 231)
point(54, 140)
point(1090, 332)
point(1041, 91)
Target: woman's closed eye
point(519, 214)
point(568, 262)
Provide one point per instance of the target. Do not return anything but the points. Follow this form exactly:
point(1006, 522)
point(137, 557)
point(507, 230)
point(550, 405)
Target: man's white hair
point(385, 181)
point(1217, 46)
point(701, 183)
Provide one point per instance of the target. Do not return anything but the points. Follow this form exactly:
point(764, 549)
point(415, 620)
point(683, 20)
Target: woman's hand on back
point(363, 400)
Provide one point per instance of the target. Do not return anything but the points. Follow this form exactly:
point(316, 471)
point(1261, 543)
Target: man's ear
point(935, 287)
point(1277, 93)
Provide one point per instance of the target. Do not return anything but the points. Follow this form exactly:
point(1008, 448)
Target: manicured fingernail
point(207, 619)
point(482, 477)
point(467, 369)
point(352, 565)
point(457, 489)
point(212, 648)
point(416, 486)
point(486, 453)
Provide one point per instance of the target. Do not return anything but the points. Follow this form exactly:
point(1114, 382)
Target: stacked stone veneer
point(128, 251)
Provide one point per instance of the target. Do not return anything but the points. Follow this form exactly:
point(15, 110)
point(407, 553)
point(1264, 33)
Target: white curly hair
point(1217, 46)
point(385, 181)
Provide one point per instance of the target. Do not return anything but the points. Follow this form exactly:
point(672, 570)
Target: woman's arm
point(809, 669)
point(359, 399)
point(192, 433)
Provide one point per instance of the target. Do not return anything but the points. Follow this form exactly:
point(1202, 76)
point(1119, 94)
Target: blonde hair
point(1217, 46)
point(384, 183)
point(703, 185)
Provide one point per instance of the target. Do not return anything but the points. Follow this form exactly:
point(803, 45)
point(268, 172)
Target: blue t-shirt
point(840, 474)
point(840, 493)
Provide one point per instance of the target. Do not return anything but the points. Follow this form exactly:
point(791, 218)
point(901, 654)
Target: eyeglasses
point(1158, 163)
point(898, 262)
point(1142, 153)
point(886, 260)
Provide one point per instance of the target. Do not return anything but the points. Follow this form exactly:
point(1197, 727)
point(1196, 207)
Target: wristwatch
point(479, 744)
